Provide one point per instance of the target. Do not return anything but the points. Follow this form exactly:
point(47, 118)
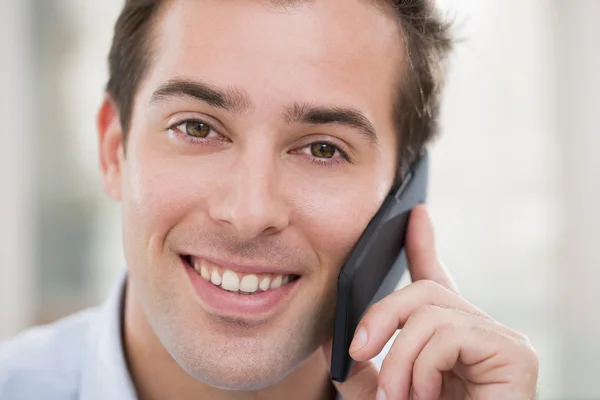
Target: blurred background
point(515, 185)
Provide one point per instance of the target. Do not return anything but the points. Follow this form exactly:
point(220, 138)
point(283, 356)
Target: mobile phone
point(376, 263)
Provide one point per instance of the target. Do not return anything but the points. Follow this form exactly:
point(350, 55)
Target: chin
point(238, 369)
point(233, 354)
point(243, 381)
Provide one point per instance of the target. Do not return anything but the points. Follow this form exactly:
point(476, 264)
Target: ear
point(110, 141)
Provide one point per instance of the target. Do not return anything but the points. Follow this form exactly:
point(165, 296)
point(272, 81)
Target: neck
point(147, 359)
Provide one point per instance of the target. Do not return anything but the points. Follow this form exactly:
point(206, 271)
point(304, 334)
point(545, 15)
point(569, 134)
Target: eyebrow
point(231, 99)
point(236, 101)
point(310, 114)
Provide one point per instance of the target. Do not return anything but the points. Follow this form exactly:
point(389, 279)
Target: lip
point(246, 269)
point(254, 307)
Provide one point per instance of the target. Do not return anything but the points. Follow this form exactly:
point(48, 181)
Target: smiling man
point(250, 143)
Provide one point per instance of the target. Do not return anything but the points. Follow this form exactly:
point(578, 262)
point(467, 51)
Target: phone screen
point(376, 263)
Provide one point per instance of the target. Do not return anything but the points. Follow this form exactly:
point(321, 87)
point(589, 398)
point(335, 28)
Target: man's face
point(272, 163)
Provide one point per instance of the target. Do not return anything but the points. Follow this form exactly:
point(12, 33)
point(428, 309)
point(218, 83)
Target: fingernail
point(380, 394)
point(360, 340)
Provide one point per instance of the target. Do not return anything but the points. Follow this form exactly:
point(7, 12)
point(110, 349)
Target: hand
point(446, 349)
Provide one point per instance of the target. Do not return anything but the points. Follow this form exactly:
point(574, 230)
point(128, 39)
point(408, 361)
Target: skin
point(254, 191)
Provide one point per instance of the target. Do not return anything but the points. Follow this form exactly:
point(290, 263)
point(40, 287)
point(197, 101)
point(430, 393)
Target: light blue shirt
point(77, 358)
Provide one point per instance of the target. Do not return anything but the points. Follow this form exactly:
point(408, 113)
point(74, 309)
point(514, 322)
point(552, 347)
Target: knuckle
point(448, 329)
point(428, 286)
point(391, 371)
point(524, 338)
point(534, 358)
point(529, 361)
point(532, 355)
point(427, 311)
point(376, 313)
point(377, 308)
point(483, 316)
point(385, 374)
point(419, 365)
point(484, 332)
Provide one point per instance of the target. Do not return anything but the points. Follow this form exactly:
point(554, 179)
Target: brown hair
point(427, 44)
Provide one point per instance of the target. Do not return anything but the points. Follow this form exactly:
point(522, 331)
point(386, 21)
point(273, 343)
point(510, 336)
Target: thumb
point(421, 253)
point(361, 383)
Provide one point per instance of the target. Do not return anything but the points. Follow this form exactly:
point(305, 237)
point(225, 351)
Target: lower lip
point(242, 306)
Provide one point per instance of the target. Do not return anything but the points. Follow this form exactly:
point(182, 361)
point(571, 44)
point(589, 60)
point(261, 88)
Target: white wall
point(17, 169)
point(494, 192)
point(578, 115)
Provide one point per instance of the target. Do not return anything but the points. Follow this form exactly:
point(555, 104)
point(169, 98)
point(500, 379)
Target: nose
point(249, 201)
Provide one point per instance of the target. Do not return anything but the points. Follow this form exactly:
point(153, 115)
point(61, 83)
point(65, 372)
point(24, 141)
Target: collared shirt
point(77, 358)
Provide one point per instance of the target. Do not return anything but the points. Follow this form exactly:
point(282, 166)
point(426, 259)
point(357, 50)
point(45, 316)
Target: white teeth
point(204, 273)
point(230, 281)
point(215, 278)
point(265, 283)
point(249, 284)
point(276, 282)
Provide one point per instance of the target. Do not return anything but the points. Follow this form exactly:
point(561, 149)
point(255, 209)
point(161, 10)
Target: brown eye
point(322, 150)
point(196, 129)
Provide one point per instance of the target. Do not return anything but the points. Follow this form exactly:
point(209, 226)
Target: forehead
point(320, 48)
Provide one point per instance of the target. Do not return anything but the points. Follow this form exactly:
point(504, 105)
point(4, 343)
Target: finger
point(396, 371)
point(484, 355)
point(361, 382)
point(383, 318)
point(421, 253)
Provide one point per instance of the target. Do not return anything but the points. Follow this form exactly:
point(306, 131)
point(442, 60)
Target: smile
point(238, 282)
point(235, 291)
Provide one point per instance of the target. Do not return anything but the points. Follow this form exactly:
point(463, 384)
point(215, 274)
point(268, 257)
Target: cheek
point(159, 191)
point(334, 221)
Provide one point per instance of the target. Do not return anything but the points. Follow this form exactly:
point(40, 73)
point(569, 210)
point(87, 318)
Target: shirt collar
point(105, 374)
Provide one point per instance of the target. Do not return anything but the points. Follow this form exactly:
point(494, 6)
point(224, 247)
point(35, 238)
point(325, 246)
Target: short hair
point(427, 38)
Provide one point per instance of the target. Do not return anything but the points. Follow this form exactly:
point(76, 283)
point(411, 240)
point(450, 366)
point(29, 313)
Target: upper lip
point(253, 268)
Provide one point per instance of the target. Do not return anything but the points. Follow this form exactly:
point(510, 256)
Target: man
point(250, 143)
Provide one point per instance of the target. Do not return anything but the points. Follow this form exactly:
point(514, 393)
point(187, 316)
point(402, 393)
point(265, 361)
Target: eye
point(197, 129)
point(322, 150)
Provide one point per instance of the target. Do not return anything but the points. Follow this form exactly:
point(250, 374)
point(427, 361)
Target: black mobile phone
point(376, 264)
